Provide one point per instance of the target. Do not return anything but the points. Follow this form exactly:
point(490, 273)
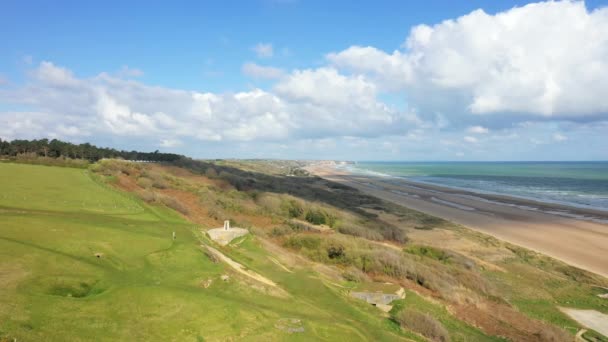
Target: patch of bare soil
point(127, 183)
point(502, 320)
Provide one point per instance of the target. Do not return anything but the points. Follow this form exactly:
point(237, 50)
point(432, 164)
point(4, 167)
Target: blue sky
point(311, 79)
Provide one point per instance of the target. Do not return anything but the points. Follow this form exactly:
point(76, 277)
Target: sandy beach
point(576, 236)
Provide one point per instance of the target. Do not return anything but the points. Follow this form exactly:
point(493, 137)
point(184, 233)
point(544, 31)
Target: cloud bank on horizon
point(533, 78)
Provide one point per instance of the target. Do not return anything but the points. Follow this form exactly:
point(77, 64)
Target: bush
point(211, 173)
point(373, 230)
point(271, 204)
point(298, 226)
point(157, 179)
point(315, 216)
point(144, 182)
point(428, 222)
point(355, 275)
point(280, 231)
point(429, 252)
point(552, 334)
point(216, 214)
point(388, 262)
point(174, 204)
point(423, 324)
point(335, 251)
point(114, 167)
point(292, 208)
point(153, 197)
point(147, 195)
point(303, 241)
point(360, 231)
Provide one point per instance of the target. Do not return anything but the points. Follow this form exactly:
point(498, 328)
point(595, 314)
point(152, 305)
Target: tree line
point(57, 149)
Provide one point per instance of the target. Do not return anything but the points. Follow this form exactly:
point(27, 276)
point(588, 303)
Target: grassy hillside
point(144, 286)
point(89, 254)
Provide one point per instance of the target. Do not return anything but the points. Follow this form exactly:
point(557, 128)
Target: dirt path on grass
point(240, 268)
point(276, 262)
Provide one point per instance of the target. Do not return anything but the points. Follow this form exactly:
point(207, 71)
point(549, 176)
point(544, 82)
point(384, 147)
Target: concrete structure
point(224, 235)
point(379, 299)
point(375, 298)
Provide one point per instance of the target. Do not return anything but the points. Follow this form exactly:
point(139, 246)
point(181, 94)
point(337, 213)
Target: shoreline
point(531, 204)
point(583, 210)
point(576, 236)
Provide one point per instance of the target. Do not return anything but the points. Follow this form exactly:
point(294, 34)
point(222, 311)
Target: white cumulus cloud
point(263, 50)
point(477, 130)
point(259, 71)
point(470, 139)
point(559, 137)
point(312, 103)
point(547, 59)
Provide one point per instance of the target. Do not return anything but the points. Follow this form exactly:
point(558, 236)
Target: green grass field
point(144, 286)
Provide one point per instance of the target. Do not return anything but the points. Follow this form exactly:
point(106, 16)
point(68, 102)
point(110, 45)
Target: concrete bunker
point(225, 234)
point(379, 299)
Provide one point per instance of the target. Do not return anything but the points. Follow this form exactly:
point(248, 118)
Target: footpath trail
point(240, 268)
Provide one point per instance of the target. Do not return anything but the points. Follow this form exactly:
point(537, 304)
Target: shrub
point(423, 324)
point(270, 204)
point(429, 252)
point(147, 195)
point(153, 197)
point(211, 173)
point(315, 216)
point(428, 222)
point(292, 208)
point(280, 231)
point(335, 251)
point(298, 226)
point(553, 334)
point(174, 204)
point(113, 167)
point(387, 262)
point(229, 204)
point(144, 182)
point(157, 179)
point(355, 275)
point(303, 241)
point(216, 214)
point(360, 231)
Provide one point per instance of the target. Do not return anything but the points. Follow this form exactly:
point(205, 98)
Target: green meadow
point(80, 261)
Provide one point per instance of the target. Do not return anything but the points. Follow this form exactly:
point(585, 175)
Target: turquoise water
point(581, 184)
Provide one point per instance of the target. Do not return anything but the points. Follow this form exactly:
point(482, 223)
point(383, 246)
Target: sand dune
point(576, 236)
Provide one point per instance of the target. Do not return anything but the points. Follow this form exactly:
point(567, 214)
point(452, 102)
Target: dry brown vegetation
point(423, 324)
point(362, 236)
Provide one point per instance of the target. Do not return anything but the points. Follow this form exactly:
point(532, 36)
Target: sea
point(578, 184)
